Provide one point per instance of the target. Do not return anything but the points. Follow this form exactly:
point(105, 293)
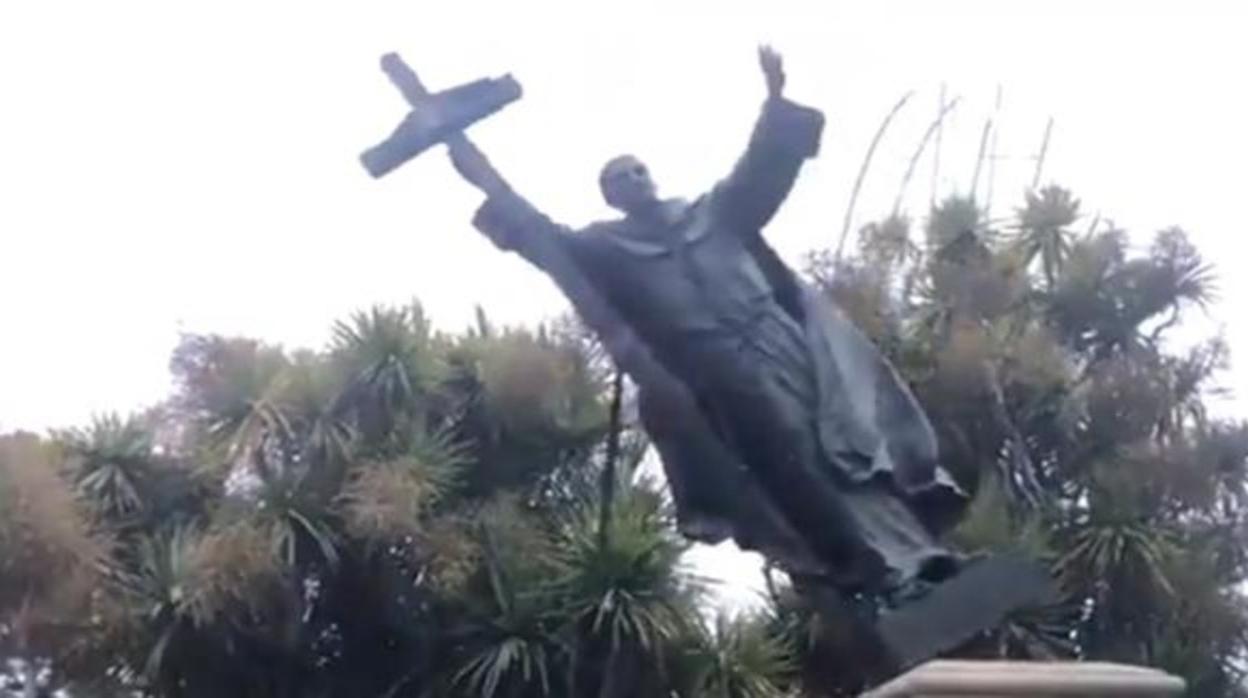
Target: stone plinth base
point(954, 679)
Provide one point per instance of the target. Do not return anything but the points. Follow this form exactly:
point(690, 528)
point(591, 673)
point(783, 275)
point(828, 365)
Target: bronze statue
point(777, 421)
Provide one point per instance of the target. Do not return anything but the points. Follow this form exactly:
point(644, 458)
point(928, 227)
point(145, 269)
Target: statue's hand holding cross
point(773, 69)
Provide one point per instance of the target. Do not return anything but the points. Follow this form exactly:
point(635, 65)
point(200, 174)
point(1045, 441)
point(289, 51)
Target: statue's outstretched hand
point(773, 69)
point(473, 166)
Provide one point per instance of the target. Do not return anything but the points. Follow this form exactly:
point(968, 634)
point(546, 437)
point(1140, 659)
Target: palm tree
point(159, 593)
point(742, 656)
point(508, 638)
point(392, 367)
point(1103, 301)
point(624, 596)
point(1044, 229)
point(50, 560)
point(1041, 359)
point(225, 393)
point(111, 466)
point(193, 611)
point(531, 403)
point(391, 499)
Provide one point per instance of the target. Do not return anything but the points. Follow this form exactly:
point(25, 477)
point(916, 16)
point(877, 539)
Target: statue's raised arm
point(443, 117)
point(506, 218)
point(785, 135)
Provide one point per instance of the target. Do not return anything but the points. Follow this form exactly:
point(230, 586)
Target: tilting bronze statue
point(778, 423)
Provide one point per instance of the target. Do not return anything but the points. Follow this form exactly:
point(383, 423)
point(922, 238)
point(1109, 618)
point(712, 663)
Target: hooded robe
point(800, 440)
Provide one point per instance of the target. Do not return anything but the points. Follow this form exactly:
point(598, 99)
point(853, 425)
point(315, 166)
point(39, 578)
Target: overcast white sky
point(178, 166)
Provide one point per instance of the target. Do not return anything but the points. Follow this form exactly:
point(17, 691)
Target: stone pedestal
point(998, 679)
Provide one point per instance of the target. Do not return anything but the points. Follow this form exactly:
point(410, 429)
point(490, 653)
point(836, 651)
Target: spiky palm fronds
point(511, 636)
point(387, 500)
point(111, 465)
point(741, 656)
point(50, 556)
point(635, 588)
point(392, 366)
point(1044, 229)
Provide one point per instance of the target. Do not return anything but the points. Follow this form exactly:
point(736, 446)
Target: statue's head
point(626, 185)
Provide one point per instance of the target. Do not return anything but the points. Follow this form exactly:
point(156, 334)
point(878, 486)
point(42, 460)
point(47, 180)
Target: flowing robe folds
point(807, 446)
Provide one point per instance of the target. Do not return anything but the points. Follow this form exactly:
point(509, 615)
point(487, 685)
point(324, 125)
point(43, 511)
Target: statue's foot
point(932, 572)
point(905, 592)
point(935, 617)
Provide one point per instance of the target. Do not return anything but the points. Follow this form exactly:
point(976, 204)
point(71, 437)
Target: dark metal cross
point(439, 117)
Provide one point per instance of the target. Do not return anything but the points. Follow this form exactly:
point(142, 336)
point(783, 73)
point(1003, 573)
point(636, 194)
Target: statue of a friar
point(796, 437)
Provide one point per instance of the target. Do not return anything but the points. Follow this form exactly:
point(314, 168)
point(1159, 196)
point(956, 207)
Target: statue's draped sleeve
point(515, 225)
point(785, 135)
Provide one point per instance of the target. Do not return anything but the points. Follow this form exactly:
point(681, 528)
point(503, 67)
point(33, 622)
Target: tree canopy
point(405, 512)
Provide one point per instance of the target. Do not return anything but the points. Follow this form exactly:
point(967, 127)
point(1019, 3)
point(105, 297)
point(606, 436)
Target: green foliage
point(391, 366)
point(626, 591)
point(742, 656)
point(1044, 229)
point(111, 462)
point(1044, 360)
point(388, 500)
point(399, 514)
point(990, 524)
point(49, 554)
point(405, 513)
point(510, 635)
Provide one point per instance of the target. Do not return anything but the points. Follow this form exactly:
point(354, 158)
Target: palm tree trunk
point(607, 689)
point(21, 634)
point(30, 682)
point(607, 483)
point(622, 673)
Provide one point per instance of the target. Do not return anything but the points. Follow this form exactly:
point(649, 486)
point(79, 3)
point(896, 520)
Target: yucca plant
point(51, 558)
point(743, 656)
point(388, 355)
point(1044, 229)
point(387, 500)
point(225, 391)
point(509, 636)
point(626, 594)
point(160, 604)
point(530, 403)
point(633, 588)
point(111, 465)
point(302, 527)
point(311, 395)
point(184, 613)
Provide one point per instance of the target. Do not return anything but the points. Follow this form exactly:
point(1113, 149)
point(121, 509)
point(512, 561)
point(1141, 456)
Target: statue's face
point(626, 184)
